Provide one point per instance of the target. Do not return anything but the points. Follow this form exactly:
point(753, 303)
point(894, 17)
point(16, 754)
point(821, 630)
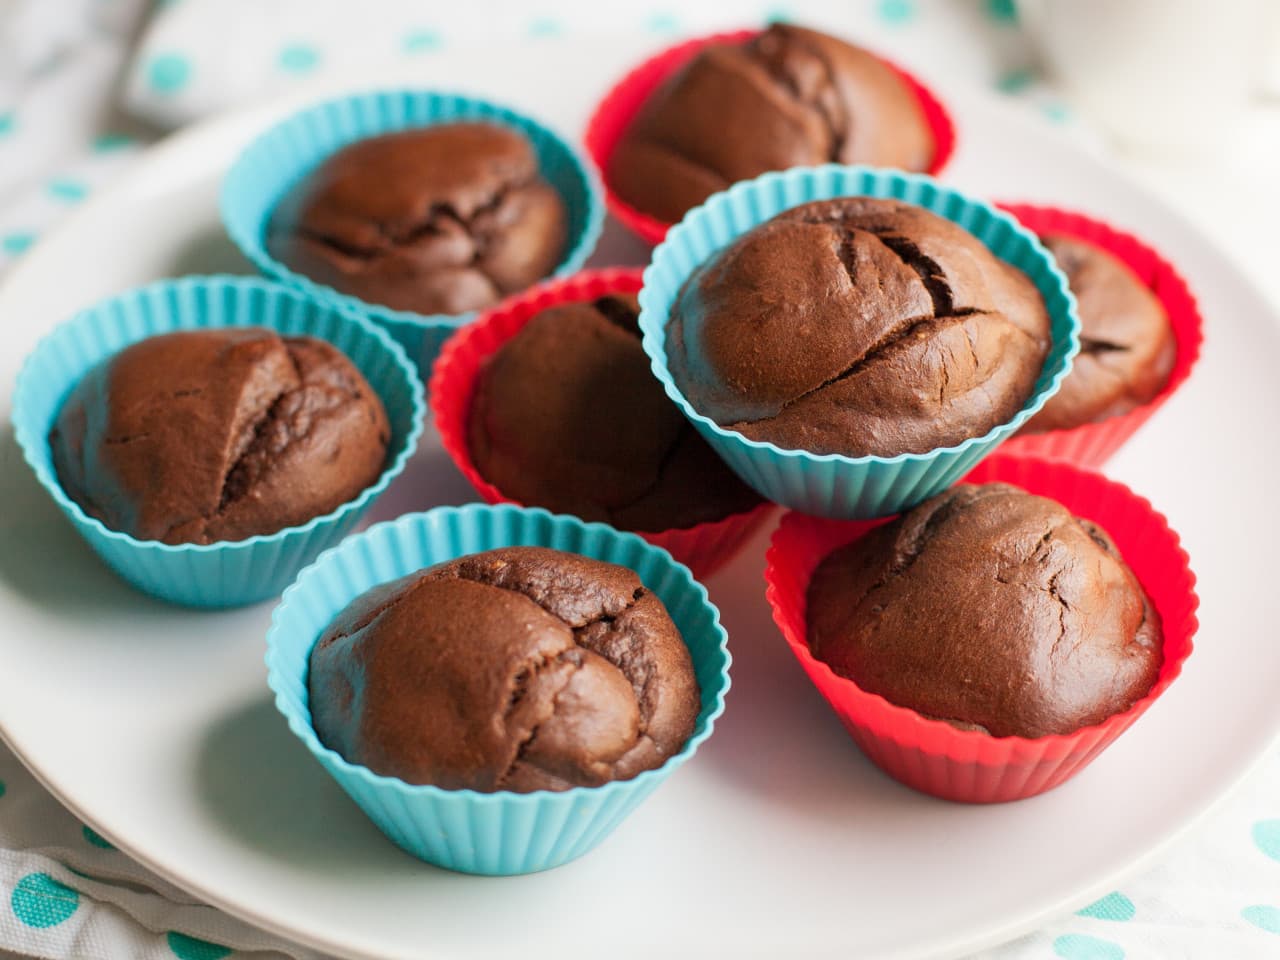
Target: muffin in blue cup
point(503, 831)
point(214, 567)
point(853, 340)
point(414, 208)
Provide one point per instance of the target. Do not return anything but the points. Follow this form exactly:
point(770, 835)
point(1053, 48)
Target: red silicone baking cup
point(703, 548)
point(614, 114)
point(964, 765)
point(1092, 444)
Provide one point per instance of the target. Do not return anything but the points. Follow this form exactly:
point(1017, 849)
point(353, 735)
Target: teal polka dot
point(778, 15)
point(95, 838)
point(1078, 946)
point(41, 901)
point(7, 123)
point(68, 190)
point(663, 23)
point(298, 58)
point(168, 73)
point(545, 27)
point(16, 243)
point(1056, 112)
point(420, 41)
point(1266, 834)
point(1114, 906)
point(112, 141)
point(896, 11)
point(1263, 917)
point(189, 948)
point(1002, 11)
point(1015, 81)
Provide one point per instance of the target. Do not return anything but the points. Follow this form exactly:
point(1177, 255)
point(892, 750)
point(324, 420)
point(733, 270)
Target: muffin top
point(787, 97)
point(989, 608)
point(441, 219)
point(859, 326)
point(567, 415)
point(1127, 347)
point(521, 668)
point(207, 435)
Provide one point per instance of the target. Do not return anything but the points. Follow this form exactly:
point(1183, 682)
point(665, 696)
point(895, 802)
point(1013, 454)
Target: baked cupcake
point(520, 668)
point(991, 609)
point(858, 326)
point(1127, 347)
point(446, 219)
point(203, 436)
point(987, 645)
point(567, 415)
point(785, 97)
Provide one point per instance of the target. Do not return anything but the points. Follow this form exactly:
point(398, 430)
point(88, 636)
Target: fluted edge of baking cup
point(1093, 444)
point(226, 573)
point(703, 548)
point(504, 832)
point(964, 765)
point(831, 484)
point(618, 109)
point(285, 153)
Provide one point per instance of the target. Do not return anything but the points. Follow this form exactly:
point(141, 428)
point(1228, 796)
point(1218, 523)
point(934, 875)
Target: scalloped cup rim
point(1034, 403)
point(390, 472)
point(305, 732)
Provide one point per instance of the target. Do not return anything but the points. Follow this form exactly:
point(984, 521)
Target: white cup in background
point(1157, 74)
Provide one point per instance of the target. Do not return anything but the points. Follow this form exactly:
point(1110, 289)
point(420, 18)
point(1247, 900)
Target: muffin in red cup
point(962, 761)
point(1141, 332)
point(548, 400)
point(794, 115)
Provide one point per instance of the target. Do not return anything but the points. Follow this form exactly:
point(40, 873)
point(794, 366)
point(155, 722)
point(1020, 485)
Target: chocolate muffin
point(858, 326)
point(785, 98)
point(991, 609)
point(1127, 347)
point(443, 219)
point(567, 415)
point(521, 669)
point(208, 435)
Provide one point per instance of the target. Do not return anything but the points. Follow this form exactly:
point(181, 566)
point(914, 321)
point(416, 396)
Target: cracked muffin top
point(521, 668)
point(202, 436)
point(858, 326)
point(1127, 347)
point(992, 609)
point(442, 219)
point(785, 98)
point(568, 415)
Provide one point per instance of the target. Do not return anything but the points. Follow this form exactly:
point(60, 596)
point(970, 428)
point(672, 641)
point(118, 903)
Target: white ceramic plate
point(154, 723)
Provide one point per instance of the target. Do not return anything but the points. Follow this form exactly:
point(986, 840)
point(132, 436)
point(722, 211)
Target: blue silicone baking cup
point(487, 833)
point(229, 573)
point(287, 152)
point(832, 485)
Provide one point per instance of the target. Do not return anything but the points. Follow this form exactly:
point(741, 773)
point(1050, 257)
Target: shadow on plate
point(260, 783)
point(778, 738)
point(43, 558)
point(210, 251)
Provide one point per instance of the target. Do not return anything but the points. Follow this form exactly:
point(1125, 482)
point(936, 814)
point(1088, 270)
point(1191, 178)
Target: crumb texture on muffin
point(442, 219)
point(210, 435)
point(788, 97)
point(567, 415)
point(521, 668)
point(1127, 346)
point(859, 326)
point(991, 609)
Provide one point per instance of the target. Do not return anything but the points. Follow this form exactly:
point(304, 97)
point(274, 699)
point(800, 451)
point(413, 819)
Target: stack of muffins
point(822, 326)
